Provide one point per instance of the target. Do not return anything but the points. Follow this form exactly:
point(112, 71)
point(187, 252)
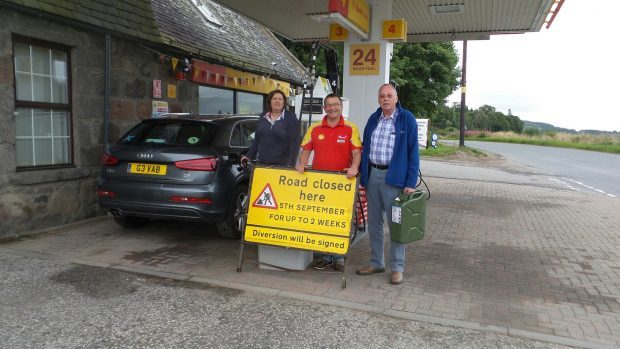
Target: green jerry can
point(408, 217)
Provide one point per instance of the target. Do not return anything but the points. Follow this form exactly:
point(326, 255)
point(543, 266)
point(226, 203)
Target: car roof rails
point(239, 115)
point(176, 115)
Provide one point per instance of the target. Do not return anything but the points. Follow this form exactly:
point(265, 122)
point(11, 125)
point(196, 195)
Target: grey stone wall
point(36, 199)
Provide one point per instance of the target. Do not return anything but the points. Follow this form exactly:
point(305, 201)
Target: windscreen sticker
point(192, 140)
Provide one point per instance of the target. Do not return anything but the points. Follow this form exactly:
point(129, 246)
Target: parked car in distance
point(179, 167)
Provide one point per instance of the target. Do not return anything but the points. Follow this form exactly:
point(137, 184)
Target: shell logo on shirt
point(321, 137)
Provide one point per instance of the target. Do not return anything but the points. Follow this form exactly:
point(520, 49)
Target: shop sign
point(356, 11)
point(217, 75)
point(310, 211)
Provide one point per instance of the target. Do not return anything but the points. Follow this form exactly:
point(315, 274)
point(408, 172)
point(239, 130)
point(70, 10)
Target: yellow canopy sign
point(310, 211)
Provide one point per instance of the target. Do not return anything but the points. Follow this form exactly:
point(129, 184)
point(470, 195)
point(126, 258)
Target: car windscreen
point(178, 133)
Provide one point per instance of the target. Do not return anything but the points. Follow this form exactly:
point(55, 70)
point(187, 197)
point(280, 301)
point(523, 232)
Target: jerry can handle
point(414, 195)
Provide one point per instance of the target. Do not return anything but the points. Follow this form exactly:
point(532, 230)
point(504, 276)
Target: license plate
point(151, 169)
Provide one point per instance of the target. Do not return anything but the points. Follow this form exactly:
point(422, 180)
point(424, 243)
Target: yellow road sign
point(311, 211)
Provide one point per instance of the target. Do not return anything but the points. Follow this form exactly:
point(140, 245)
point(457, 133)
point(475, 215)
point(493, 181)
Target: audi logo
point(145, 156)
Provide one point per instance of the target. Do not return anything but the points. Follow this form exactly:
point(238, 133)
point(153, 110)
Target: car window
point(242, 133)
point(170, 133)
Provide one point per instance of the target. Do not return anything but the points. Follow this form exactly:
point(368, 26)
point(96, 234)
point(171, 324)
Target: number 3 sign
point(364, 59)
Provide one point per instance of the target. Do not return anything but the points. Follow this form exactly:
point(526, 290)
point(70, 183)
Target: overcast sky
point(567, 75)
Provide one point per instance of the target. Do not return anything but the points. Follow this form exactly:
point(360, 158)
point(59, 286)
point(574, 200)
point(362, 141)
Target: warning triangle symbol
point(266, 199)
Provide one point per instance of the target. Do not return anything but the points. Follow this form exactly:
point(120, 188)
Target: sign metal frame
point(283, 230)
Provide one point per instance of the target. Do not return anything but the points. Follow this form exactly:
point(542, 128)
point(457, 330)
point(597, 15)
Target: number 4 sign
point(394, 30)
point(364, 59)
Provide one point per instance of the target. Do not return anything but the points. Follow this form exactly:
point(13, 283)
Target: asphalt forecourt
point(527, 261)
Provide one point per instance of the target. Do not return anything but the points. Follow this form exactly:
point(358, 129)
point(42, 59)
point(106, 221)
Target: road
point(573, 168)
point(46, 304)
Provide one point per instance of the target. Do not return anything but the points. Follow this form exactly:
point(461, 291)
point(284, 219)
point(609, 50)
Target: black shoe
point(321, 264)
point(339, 267)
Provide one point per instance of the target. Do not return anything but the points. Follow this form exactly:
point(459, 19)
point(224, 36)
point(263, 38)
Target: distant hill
point(548, 127)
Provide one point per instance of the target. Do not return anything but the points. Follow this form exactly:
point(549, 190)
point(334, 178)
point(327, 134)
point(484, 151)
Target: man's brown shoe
point(367, 270)
point(397, 277)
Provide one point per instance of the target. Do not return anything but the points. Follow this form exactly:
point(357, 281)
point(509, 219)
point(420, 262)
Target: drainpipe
point(106, 95)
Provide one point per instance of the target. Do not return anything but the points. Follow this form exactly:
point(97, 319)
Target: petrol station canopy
point(369, 29)
point(427, 20)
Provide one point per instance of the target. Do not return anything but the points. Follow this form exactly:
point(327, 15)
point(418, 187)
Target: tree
point(486, 118)
point(446, 117)
point(426, 73)
point(516, 124)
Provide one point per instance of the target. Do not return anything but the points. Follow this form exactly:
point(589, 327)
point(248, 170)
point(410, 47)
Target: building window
point(249, 103)
point(216, 100)
point(42, 107)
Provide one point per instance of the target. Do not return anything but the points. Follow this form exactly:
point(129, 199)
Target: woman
point(277, 134)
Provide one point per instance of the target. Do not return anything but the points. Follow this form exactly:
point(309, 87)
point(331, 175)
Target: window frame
point(237, 92)
point(63, 107)
point(239, 125)
point(235, 98)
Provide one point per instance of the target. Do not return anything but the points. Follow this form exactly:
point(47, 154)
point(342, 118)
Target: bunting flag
point(186, 65)
point(163, 58)
point(174, 61)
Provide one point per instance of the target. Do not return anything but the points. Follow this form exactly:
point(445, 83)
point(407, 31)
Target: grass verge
point(448, 150)
point(607, 143)
point(606, 148)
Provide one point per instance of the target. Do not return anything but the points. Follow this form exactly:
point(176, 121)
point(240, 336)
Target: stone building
point(75, 75)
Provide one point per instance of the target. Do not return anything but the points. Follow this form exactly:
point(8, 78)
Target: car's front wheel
point(230, 227)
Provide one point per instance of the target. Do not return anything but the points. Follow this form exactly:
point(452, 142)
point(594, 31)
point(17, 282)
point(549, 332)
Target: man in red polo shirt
point(337, 147)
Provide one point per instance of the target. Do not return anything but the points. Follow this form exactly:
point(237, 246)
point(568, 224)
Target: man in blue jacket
point(390, 164)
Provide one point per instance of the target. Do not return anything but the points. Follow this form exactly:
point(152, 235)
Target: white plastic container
point(279, 258)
